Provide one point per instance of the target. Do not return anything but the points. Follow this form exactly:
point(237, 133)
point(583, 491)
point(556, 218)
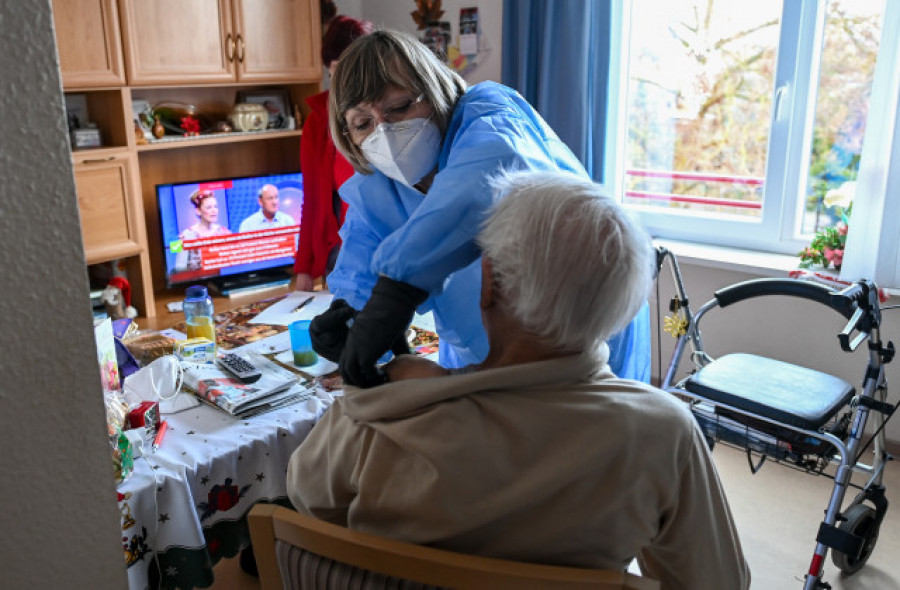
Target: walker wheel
point(861, 521)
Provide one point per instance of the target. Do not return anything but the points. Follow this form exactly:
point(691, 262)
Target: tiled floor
point(778, 511)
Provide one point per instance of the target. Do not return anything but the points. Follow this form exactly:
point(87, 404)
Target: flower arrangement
point(190, 125)
point(827, 246)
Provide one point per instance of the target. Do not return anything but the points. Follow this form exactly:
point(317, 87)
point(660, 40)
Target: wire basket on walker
point(791, 414)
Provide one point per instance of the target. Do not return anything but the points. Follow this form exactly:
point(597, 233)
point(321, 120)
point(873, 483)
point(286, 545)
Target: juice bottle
point(198, 312)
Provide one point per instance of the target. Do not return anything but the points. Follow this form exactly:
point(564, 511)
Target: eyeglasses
point(361, 127)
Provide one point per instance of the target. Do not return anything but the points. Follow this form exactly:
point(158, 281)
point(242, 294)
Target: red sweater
point(324, 170)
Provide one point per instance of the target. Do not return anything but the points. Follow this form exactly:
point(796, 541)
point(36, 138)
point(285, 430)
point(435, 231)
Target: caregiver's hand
point(328, 331)
point(379, 327)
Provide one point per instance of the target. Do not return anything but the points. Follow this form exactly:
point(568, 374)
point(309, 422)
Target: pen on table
point(304, 302)
point(159, 434)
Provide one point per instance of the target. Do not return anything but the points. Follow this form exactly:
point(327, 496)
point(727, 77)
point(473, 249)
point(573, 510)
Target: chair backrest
point(408, 562)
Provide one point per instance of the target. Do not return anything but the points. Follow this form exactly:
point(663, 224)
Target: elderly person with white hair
point(539, 453)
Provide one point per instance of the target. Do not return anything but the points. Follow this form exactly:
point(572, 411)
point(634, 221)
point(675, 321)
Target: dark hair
point(328, 9)
point(342, 31)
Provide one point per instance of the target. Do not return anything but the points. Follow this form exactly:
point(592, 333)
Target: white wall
point(60, 523)
point(395, 14)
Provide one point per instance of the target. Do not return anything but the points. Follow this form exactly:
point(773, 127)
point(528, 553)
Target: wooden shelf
point(112, 52)
point(174, 142)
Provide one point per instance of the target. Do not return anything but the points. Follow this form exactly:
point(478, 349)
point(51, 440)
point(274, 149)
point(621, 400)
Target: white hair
point(570, 264)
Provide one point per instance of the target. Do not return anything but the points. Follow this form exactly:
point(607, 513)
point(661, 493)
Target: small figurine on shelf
point(158, 129)
point(116, 298)
point(139, 138)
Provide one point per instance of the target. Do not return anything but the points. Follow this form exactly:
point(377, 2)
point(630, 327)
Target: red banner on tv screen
point(237, 249)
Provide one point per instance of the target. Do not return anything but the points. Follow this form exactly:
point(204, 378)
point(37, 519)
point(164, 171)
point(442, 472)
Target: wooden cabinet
point(112, 217)
point(105, 182)
point(200, 52)
point(171, 42)
point(89, 44)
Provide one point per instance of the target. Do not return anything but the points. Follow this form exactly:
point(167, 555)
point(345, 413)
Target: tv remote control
point(240, 368)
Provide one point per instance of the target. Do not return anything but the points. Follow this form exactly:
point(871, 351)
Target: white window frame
point(793, 113)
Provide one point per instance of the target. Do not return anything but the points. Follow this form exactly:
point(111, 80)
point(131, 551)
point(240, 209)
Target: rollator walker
point(794, 415)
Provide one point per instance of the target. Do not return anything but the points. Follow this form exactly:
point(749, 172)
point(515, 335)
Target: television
point(224, 242)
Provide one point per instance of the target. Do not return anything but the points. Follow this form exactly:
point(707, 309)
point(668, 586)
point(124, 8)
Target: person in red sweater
point(324, 168)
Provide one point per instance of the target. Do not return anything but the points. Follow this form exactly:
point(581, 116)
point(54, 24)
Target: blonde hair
point(374, 63)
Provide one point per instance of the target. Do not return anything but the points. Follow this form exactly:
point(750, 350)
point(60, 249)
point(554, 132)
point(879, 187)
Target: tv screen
point(231, 232)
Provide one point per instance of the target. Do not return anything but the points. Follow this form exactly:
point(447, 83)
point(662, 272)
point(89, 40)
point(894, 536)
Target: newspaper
point(276, 387)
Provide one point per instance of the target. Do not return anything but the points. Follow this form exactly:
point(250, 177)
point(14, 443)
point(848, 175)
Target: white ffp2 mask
point(160, 379)
point(405, 151)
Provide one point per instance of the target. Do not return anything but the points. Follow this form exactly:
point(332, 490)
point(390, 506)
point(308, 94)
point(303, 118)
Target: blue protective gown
point(428, 240)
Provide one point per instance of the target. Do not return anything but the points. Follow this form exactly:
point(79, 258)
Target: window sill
point(765, 264)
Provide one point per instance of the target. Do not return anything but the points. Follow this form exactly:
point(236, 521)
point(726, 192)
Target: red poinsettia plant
point(827, 247)
point(190, 125)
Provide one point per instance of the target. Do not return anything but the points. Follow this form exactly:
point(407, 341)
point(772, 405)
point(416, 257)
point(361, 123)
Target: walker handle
point(789, 287)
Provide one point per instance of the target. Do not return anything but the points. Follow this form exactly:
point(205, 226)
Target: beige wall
point(59, 524)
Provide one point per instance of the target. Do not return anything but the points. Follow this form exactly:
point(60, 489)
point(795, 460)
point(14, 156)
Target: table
point(184, 506)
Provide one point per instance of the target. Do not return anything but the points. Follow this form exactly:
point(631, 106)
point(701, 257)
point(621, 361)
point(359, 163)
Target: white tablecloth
point(184, 507)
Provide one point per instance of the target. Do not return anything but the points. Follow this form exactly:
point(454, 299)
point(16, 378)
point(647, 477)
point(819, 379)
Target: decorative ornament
point(190, 125)
point(676, 324)
point(158, 129)
point(427, 12)
point(116, 298)
point(139, 138)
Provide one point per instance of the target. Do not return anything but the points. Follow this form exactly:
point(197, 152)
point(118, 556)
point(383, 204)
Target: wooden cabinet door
point(277, 40)
point(89, 44)
point(112, 221)
point(177, 41)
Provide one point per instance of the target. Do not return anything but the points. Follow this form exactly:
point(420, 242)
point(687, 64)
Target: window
point(735, 118)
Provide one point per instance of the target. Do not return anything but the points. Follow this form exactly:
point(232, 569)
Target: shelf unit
point(117, 52)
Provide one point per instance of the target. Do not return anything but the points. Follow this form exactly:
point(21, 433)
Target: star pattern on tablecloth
point(171, 571)
point(204, 480)
point(164, 517)
point(260, 477)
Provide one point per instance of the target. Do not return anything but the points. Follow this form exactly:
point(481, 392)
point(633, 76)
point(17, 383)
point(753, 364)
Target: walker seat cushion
point(780, 391)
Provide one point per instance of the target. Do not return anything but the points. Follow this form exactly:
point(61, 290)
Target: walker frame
point(752, 421)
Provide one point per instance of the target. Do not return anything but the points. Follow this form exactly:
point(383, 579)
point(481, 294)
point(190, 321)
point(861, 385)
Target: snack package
point(122, 455)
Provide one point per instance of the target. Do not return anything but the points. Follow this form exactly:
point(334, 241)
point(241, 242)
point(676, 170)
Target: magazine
point(276, 387)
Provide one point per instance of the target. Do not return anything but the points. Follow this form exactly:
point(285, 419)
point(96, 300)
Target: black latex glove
point(379, 327)
point(328, 331)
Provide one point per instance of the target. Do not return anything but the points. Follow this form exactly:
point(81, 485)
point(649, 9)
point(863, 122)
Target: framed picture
point(77, 116)
point(277, 102)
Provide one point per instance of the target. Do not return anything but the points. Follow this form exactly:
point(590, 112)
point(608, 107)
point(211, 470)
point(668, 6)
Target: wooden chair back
point(408, 562)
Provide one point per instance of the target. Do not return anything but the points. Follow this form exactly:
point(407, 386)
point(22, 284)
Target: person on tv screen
point(324, 168)
point(268, 216)
point(207, 209)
